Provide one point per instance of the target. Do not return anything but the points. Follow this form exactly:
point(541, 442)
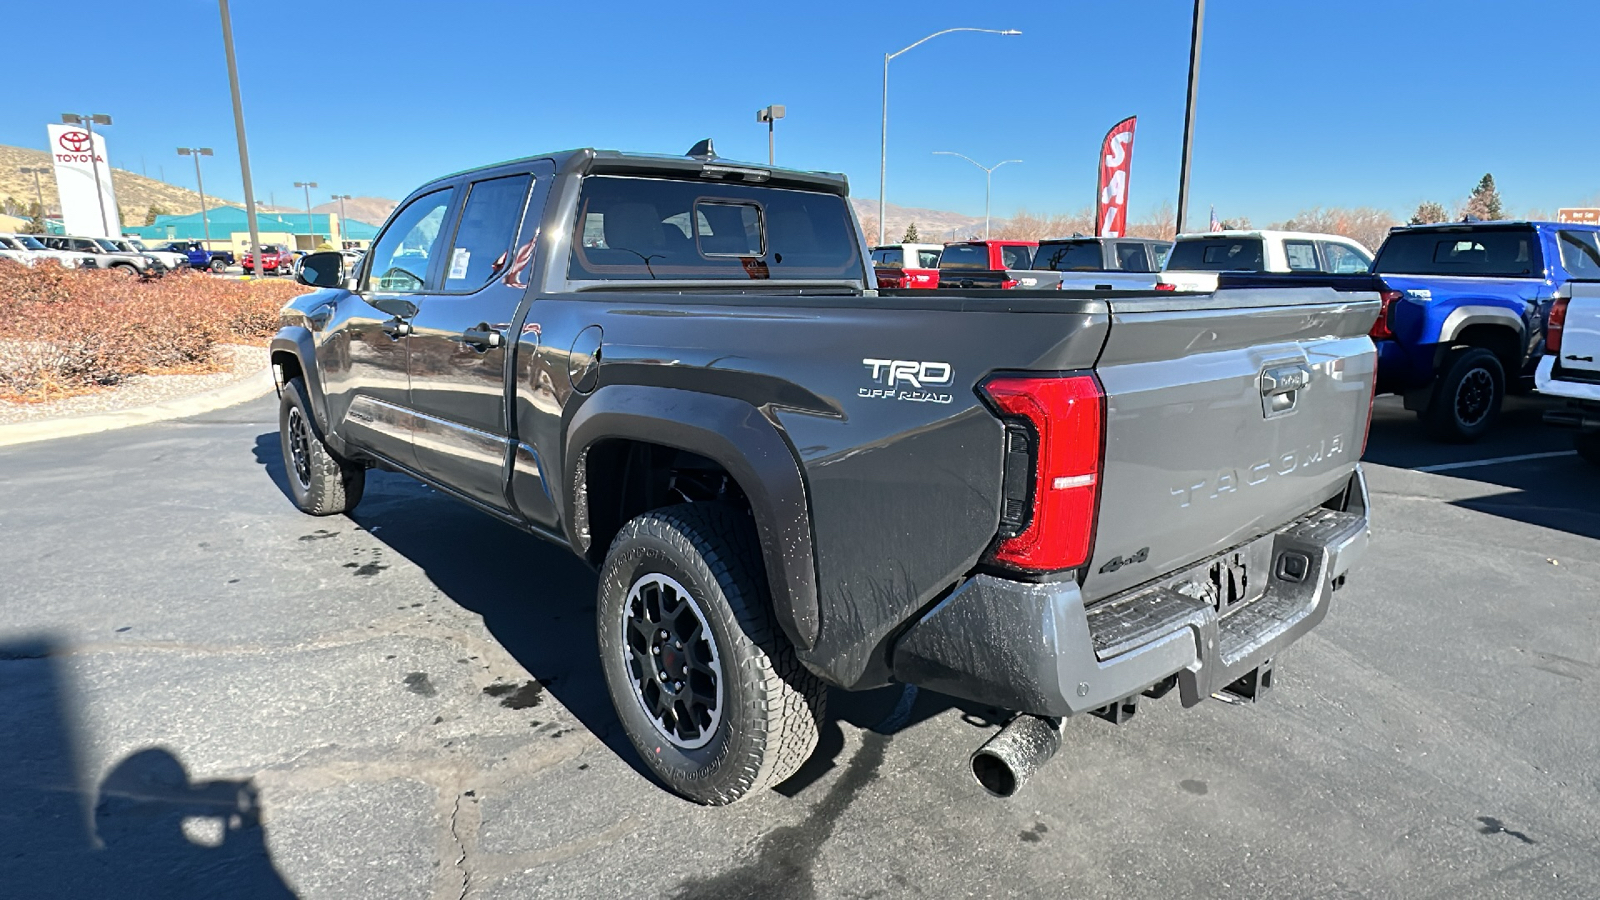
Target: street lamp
point(988, 182)
point(1188, 112)
point(38, 194)
point(883, 161)
point(769, 115)
point(90, 121)
point(341, 198)
point(198, 152)
point(238, 126)
point(310, 229)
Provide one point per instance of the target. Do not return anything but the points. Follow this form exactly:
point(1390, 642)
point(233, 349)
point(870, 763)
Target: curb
point(257, 385)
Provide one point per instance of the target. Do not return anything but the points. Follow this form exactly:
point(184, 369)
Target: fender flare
point(735, 435)
point(296, 341)
point(1462, 316)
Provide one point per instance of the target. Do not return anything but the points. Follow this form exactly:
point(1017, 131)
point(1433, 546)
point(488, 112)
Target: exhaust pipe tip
point(1006, 761)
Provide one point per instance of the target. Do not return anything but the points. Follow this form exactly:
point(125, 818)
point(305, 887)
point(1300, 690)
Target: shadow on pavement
point(148, 831)
point(538, 600)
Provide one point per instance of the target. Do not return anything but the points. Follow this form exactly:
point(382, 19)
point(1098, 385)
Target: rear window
point(1218, 255)
point(1069, 256)
point(889, 257)
point(964, 256)
point(1506, 253)
point(644, 228)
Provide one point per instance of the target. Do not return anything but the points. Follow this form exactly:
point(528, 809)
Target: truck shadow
point(148, 831)
point(538, 602)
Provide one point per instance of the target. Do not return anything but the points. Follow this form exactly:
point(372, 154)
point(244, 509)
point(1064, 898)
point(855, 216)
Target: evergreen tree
point(1429, 212)
point(1485, 200)
point(911, 236)
point(155, 209)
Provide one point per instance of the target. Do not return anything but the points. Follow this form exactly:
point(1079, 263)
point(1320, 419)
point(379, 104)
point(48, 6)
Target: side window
point(1302, 256)
point(489, 221)
point(1162, 251)
point(1131, 258)
point(1012, 257)
point(1580, 254)
point(1344, 259)
point(927, 259)
point(401, 255)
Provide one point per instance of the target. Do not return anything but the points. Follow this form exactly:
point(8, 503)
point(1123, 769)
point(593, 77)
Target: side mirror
point(322, 270)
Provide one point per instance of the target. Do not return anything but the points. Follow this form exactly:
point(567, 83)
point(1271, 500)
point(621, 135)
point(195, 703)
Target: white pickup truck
point(1571, 364)
point(1196, 259)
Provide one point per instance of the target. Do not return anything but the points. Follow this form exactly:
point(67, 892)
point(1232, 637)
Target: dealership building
point(230, 229)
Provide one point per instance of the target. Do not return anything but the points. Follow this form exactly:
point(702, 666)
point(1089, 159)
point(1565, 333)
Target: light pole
point(988, 182)
point(770, 115)
point(198, 152)
point(38, 193)
point(341, 198)
point(90, 121)
point(1188, 113)
point(883, 160)
point(311, 231)
point(238, 125)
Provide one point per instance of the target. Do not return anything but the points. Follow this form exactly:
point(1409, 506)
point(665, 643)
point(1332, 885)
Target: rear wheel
point(321, 482)
point(706, 686)
point(1467, 397)
point(218, 266)
point(1588, 446)
point(128, 269)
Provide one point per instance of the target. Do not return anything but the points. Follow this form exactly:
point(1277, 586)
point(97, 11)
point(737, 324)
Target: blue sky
point(1356, 103)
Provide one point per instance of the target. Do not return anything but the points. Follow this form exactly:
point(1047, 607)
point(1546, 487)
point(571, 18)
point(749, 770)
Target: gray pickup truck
point(1050, 502)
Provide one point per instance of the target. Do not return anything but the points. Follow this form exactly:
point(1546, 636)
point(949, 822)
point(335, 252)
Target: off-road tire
point(128, 269)
point(771, 704)
point(1467, 396)
point(1587, 444)
point(218, 266)
point(328, 484)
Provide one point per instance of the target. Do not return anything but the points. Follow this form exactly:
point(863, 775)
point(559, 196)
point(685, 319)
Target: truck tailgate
point(1580, 338)
point(1227, 416)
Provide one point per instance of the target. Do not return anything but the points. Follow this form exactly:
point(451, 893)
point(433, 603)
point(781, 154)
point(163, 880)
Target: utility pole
point(198, 152)
point(770, 115)
point(238, 124)
point(89, 122)
point(1188, 113)
point(311, 231)
point(342, 220)
point(988, 183)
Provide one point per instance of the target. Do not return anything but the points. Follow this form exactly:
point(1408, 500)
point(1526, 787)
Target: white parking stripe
point(1445, 467)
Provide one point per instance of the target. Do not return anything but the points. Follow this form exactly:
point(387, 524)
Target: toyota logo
point(74, 141)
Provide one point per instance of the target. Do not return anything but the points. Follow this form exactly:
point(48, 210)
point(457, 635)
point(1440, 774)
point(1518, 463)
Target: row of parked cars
point(1471, 311)
point(131, 256)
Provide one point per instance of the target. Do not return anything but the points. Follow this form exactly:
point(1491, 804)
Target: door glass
point(1302, 255)
point(1344, 259)
point(1580, 254)
point(400, 257)
point(488, 226)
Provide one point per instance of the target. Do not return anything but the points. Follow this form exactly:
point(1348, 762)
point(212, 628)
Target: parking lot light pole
point(988, 182)
point(883, 159)
point(198, 152)
point(342, 221)
point(311, 230)
point(238, 126)
point(770, 115)
point(1188, 113)
point(89, 121)
point(38, 193)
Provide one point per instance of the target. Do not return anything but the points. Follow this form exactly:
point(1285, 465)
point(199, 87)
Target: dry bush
point(1366, 224)
point(66, 331)
point(1025, 226)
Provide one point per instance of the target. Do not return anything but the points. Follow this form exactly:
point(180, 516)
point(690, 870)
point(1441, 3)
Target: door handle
point(1576, 358)
point(396, 328)
point(482, 338)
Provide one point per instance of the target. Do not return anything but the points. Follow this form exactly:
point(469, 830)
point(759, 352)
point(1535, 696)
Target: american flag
point(1215, 225)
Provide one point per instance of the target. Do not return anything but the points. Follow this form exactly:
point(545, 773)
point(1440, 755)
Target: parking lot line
point(1472, 464)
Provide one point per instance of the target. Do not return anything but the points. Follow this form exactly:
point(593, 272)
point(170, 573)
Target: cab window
point(488, 226)
point(400, 258)
point(1344, 259)
point(1301, 255)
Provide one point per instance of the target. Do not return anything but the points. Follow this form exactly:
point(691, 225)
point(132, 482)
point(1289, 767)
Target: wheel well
point(625, 478)
point(1503, 342)
point(288, 366)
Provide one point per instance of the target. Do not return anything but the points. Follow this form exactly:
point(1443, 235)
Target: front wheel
point(706, 686)
point(1588, 446)
point(321, 482)
point(1466, 400)
point(218, 266)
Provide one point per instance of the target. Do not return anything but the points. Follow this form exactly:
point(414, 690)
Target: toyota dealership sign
point(76, 157)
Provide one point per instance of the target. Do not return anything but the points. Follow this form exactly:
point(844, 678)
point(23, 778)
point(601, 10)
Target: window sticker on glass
point(458, 263)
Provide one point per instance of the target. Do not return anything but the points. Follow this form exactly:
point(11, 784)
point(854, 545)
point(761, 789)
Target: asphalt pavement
point(205, 693)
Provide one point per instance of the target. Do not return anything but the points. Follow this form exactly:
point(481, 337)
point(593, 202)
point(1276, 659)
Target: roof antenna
point(702, 150)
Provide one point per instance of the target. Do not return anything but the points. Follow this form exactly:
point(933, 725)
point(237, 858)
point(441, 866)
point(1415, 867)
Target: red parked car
point(274, 260)
point(907, 265)
point(984, 264)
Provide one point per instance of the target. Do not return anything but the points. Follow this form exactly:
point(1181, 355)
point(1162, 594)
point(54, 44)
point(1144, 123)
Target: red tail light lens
point(1163, 286)
point(1066, 415)
point(1009, 283)
point(1381, 330)
point(1558, 324)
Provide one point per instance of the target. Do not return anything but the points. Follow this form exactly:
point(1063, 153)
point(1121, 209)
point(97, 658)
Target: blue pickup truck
point(1464, 315)
point(200, 257)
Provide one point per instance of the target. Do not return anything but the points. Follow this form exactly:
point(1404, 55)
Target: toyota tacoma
point(1049, 502)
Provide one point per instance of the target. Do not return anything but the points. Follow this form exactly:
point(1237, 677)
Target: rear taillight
point(1061, 420)
point(1558, 324)
point(1009, 283)
point(1383, 329)
point(1163, 286)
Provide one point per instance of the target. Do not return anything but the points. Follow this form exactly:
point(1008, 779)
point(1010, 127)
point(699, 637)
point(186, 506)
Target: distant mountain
point(371, 210)
point(933, 225)
point(135, 193)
